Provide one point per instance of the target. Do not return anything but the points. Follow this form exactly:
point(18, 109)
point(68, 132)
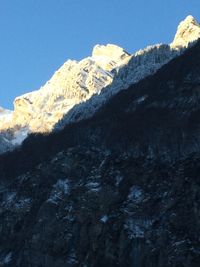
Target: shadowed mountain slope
point(118, 189)
point(79, 88)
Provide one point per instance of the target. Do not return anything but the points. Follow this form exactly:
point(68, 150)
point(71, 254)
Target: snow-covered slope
point(78, 89)
point(141, 64)
point(73, 83)
point(5, 117)
point(188, 31)
point(10, 133)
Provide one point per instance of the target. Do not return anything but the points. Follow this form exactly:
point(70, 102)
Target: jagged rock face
point(73, 83)
point(119, 189)
point(5, 118)
point(77, 82)
point(78, 89)
point(109, 56)
point(141, 64)
point(188, 31)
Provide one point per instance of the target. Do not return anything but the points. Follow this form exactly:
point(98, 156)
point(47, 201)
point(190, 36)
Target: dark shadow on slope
point(139, 66)
point(153, 56)
point(166, 121)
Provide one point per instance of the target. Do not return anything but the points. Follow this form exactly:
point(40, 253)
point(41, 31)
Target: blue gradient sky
point(38, 36)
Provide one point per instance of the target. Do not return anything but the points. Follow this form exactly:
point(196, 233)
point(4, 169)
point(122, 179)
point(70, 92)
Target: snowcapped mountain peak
point(73, 83)
point(4, 111)
point(5, 117)
point(109, 56)
point(188, 31)
point(79, 88)
point(190, 19)
point(111, 51)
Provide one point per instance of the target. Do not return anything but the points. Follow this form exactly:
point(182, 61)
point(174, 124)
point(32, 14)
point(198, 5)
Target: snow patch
point(136, 228)
point(141, 99)
point(93, 186)
point(59, 191)
point(119, 179)
point(135, 194)
point(104, 219)
point(24, 204)
point(19, 136)
point(6, 259)
point(72, 259)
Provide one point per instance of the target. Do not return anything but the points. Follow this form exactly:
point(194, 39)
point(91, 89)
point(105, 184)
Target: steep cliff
point(110, 69)
point(118, 189)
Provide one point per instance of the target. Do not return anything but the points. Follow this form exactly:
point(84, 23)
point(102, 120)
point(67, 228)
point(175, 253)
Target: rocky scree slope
point(78, 89)
point(118, 189)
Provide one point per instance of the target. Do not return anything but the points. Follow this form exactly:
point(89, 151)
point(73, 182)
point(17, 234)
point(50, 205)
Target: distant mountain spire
point(79, 88)
point(188, 31)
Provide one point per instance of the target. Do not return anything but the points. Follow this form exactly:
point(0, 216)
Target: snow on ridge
point(138, 66)
point(79, 88)
point(188, 31)
point(5, 116)
point(4, 111)
point(141, 64)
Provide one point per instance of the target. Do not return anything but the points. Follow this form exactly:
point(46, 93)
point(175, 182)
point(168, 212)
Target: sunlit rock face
point(73, 83)
point(109, 56)
point(141, 64)
point(5, 117)
point(188, 31)
point(119, 190)
point(79, 88)
point(11, 134)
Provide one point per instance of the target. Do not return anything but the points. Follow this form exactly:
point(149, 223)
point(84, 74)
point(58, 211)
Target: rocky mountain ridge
point(119, 189)
point(78, 89)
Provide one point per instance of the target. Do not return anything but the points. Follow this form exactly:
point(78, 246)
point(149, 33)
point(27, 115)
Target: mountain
point(187, 32)
point(72, 83)
point(78, 89)
point(5, 116)
point(5, 119)
point(120, 188)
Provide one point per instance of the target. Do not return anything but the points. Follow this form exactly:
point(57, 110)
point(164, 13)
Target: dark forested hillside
point(119, 189)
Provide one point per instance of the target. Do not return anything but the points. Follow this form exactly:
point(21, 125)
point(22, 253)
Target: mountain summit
point(188, 31)
point(5, 117)
point(78, 89)
point(109, 56)
point(121, 189)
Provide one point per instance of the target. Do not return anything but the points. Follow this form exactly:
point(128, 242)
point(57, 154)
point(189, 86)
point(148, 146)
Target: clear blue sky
point(38, 36)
